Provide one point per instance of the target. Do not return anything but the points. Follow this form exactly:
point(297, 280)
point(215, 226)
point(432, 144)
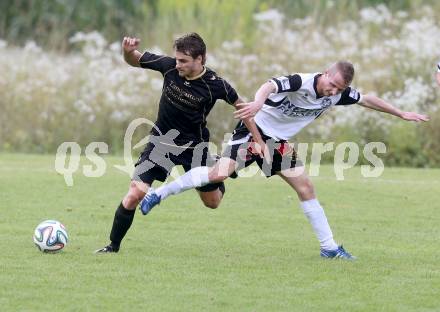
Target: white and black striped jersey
point(296, 103)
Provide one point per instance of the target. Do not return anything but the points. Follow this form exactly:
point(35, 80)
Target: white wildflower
point(156, 84)
point(82, 106)
point(32, 47)
point(269, 16)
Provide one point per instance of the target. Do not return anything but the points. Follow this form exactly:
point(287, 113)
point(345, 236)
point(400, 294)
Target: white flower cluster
point(394, 54)
point(92, 91)
point(48, 98)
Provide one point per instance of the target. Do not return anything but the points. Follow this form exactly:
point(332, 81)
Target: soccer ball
point(50, 236)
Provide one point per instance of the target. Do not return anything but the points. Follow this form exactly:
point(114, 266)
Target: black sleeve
point(161, 63)
point(349, 96)
point(290, 83)
point(438, 66)
point(228, 93)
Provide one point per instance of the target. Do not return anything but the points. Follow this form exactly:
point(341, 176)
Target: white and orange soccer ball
point(50, 236)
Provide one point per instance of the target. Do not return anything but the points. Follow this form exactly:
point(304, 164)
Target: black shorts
point(239, 148)
point(157, 160)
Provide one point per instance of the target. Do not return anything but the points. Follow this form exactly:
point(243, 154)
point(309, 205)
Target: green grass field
point(255, 253)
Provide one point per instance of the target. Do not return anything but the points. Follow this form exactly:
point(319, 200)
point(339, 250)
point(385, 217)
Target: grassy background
point(255, 253)
point(52, 22)
point(71, 83)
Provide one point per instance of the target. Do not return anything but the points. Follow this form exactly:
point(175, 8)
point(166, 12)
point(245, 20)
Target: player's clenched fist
point(129, 44)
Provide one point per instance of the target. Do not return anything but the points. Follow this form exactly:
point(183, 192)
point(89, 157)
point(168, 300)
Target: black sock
point(121, 223)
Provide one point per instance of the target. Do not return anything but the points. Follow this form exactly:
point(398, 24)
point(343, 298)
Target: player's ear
point(200, 59)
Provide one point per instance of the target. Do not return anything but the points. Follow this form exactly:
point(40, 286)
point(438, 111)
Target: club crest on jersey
point(186, 83)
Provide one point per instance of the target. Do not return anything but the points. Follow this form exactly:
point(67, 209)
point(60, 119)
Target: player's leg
point(136, 192)
point(194, 178)
point(211, 194)
point(212, 198)
point(124, 215)
point(229, 163)
point(143, 177)
point(226, 166)
point(301, 183)
point(298, 179)
point(303, 186)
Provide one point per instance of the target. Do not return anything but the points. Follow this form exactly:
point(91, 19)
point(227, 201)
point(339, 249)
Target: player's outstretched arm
point(252, 127)
point(129, 49)
point(376, 103)
point(248, 110)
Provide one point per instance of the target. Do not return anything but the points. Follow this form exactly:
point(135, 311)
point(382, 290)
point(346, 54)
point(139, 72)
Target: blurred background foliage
point(63, 78)
point(51, 23)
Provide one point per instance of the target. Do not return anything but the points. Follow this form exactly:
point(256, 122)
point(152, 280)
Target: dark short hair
point(191, 44)
point(346, 70)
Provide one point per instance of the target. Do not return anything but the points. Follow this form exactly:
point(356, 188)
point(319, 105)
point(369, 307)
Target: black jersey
point(185, 104)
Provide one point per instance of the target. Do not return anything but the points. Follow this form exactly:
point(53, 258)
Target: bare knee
point(222, 170)
point(306, 190)
point(134, 195)
point(215, 177)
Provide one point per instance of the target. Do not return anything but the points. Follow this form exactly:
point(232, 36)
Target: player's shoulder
point(308, 76)
point(212, 78)
point(349, 96)
point(211, 75)
point(352, 92)
point(149, 57)
point(306, 80)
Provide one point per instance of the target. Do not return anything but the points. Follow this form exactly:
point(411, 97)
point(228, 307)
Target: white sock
point(314, 212)
point(191, 179)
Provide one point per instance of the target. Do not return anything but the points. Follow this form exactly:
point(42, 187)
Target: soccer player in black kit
point(189, 92)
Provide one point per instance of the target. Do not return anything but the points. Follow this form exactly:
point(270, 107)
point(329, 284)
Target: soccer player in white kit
point(282, 107)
